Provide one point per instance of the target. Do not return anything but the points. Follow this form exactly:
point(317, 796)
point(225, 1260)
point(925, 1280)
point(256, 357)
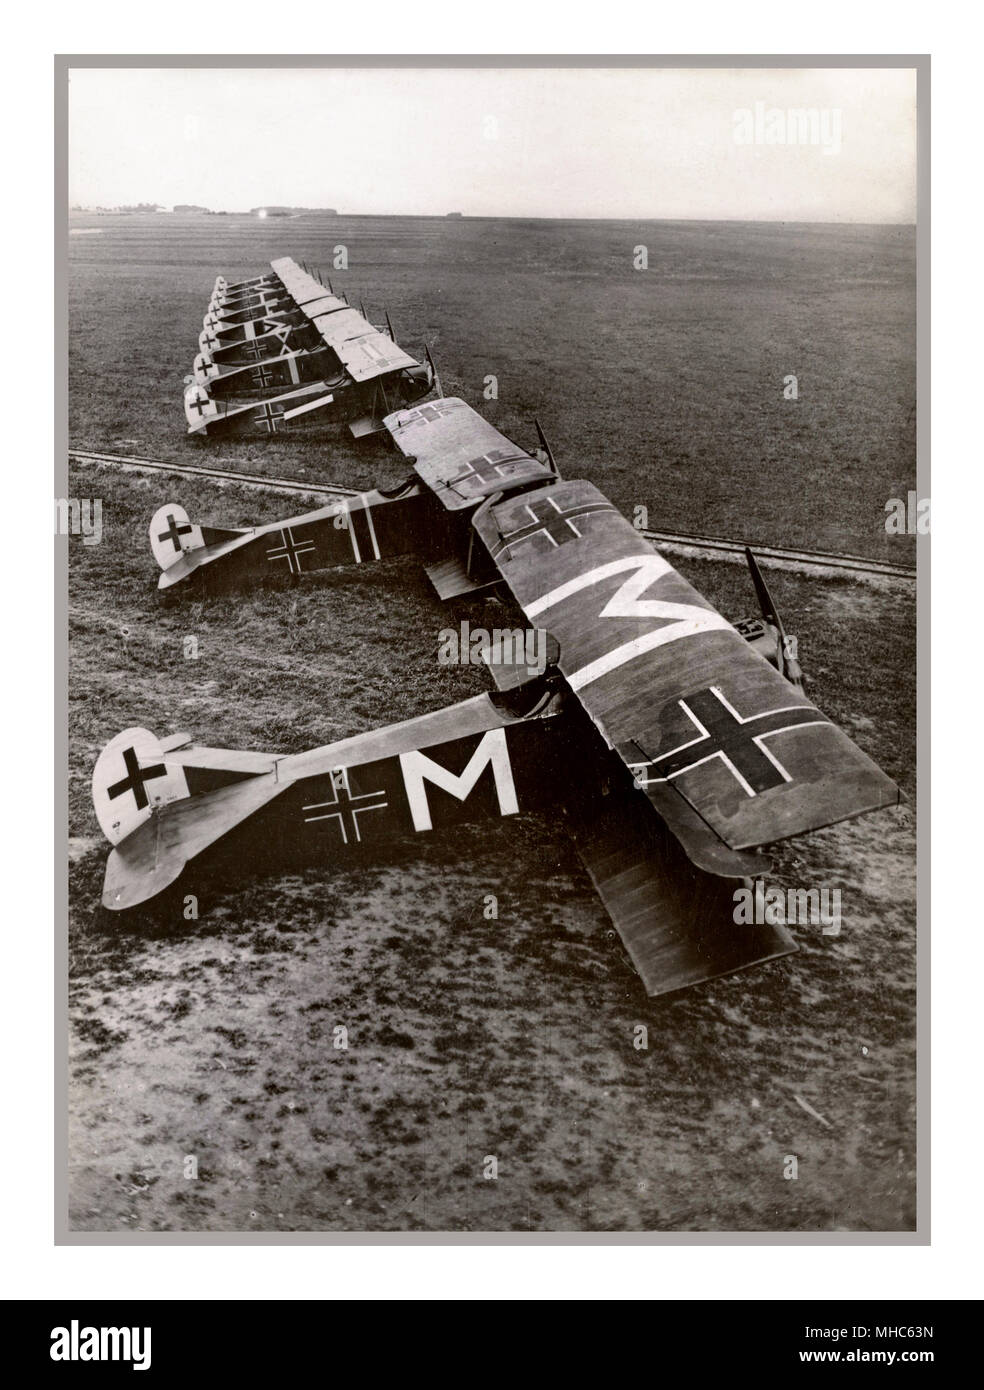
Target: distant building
point(190, 207)
point(455, 214)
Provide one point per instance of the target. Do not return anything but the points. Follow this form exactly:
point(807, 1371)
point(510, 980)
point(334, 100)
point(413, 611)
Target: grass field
point(469, 1037)
point(663, 386)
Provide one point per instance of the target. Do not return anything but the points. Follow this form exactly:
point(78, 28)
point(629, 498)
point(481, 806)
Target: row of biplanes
point(283, 350)
point(675, 743)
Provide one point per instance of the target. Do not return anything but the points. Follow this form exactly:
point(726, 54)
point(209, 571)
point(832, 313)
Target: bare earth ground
point(513, 1038)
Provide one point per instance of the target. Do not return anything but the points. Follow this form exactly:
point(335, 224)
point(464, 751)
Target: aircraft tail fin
point(133, 778)
point(173, 535)
point(161, 806)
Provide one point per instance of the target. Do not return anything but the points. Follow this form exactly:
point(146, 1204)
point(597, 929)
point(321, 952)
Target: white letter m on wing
point(679, 619)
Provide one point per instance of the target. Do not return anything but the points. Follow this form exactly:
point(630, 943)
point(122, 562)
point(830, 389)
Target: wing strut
point(788, 665)
point(546, 449)
point(436, 380)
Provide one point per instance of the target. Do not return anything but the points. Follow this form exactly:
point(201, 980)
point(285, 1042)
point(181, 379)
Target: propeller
point(362, 309)
point(389, 325)
point(788, 665)
point(546, 449)
point(435, 379)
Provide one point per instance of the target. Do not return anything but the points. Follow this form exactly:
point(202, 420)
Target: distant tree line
point(276, 210)
point(269, 209)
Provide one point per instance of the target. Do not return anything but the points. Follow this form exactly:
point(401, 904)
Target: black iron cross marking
point(273, 419)
point(249, 309)
point(262, 376)
point(737, 740)
point(290, 549)
point(489, 468)
point(135, 779)
point(434, 410)
point(556, 524)
point(337, 809)
point(174, 533)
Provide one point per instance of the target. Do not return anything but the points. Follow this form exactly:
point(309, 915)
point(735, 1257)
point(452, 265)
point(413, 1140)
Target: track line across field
point(809, 561)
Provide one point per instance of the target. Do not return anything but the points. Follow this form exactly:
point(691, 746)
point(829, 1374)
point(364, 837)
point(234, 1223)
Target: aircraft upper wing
point(364, 351)
point(459, 455)
point(729, 753)
point(302, 287)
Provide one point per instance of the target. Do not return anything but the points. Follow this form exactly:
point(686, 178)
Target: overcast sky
point(508, 142)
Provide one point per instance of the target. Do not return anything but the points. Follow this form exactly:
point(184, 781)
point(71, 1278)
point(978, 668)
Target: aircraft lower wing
point(729, 753)
point(676, 921)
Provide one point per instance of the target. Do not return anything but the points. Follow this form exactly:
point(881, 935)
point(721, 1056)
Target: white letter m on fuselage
point(418, 768)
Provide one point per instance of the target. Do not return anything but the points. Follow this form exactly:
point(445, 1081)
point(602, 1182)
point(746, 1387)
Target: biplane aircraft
point(676, 746)
point(283, 350)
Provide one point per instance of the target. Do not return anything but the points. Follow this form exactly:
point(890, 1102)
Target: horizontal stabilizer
point(131, 780)
point(181, 749)
point(193, 560)
point(151, 858)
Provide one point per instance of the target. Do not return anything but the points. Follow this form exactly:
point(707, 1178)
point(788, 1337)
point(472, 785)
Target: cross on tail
point(174, 532)
point(135, 779)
